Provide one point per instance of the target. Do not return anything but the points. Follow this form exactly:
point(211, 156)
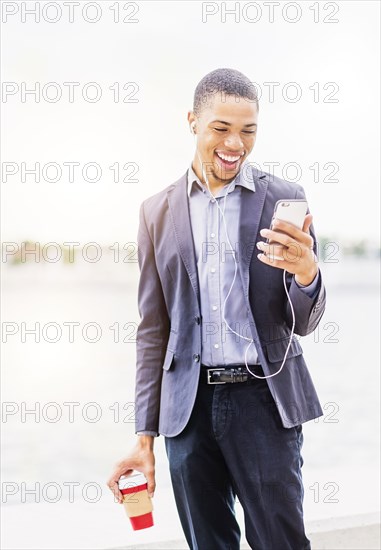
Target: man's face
point(226, 132)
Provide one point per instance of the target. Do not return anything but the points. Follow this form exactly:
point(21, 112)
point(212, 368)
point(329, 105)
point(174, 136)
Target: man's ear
point(192, 121)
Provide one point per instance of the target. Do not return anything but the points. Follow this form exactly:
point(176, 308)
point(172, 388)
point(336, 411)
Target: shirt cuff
point(310, 289)
point(147, 432)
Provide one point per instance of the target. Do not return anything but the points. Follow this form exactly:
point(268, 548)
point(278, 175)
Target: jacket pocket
point(168, 360)
point(171, 347)
point(276, 350)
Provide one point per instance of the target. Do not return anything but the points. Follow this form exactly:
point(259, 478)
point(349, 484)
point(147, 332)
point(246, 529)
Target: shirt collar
point(243, 178)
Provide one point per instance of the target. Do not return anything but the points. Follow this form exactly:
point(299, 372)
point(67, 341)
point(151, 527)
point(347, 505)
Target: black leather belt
point(231, 374)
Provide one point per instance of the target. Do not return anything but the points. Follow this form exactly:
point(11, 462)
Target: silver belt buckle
point(211, 381)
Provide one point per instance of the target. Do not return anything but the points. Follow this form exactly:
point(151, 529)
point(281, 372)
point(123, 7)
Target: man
point(207, 301)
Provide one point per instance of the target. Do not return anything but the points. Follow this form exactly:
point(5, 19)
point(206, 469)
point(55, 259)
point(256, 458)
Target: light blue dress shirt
point(215, 266)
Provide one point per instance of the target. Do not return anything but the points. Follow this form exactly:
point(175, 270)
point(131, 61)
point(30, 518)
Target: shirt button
point(216, 346)
point(197, 320)
point(196, 357)
point(214, 308)
point(212, 269)
point(212, 234)
point(212, 200)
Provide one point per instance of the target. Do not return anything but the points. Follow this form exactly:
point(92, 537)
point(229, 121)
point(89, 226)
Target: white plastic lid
point(132, 480)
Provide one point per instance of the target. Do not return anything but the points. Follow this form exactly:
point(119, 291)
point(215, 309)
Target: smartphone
point(291, 210)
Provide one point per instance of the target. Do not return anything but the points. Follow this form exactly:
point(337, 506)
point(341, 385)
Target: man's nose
point(234, 141)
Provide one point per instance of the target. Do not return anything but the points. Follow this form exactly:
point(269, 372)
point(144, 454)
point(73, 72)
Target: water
point(95, 381)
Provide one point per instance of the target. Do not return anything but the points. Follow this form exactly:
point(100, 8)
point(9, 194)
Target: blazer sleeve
point(308, 310)
point(152, 334)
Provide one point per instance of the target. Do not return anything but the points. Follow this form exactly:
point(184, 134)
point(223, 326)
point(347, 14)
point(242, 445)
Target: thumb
point(307, 223)
point(151, 484)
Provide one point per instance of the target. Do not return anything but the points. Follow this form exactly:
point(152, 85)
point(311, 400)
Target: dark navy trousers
point(234, 446)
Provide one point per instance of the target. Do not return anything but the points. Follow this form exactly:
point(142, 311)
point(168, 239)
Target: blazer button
point(196, 357)
point(197, 320)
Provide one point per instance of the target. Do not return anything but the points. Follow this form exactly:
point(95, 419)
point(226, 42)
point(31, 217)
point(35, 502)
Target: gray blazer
point(168, 347)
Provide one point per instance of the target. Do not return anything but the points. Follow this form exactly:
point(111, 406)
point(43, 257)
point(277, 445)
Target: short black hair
point(223, 81)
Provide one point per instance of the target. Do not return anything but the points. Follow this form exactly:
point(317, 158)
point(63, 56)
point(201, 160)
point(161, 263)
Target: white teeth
point(228, 158)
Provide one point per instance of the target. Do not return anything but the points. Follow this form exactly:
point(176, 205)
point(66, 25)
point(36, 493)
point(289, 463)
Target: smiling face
point(226, 132)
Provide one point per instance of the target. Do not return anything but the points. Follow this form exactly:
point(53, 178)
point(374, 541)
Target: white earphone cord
point(251, 341)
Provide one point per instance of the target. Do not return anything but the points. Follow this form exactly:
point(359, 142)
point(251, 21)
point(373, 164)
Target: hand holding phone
point(290, 210)
point(293, 249)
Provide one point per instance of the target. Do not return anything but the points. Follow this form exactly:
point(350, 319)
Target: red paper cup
point(136, 502)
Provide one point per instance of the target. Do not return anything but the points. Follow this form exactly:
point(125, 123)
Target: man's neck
point(215, 185)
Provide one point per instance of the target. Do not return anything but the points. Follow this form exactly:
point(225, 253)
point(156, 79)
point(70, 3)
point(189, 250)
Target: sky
point(144, 69)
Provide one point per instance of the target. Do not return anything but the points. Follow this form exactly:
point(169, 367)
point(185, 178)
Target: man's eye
point(244, 131)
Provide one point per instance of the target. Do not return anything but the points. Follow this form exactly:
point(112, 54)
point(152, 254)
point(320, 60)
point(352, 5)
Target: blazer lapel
point(179, 212)
point(250, 215)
